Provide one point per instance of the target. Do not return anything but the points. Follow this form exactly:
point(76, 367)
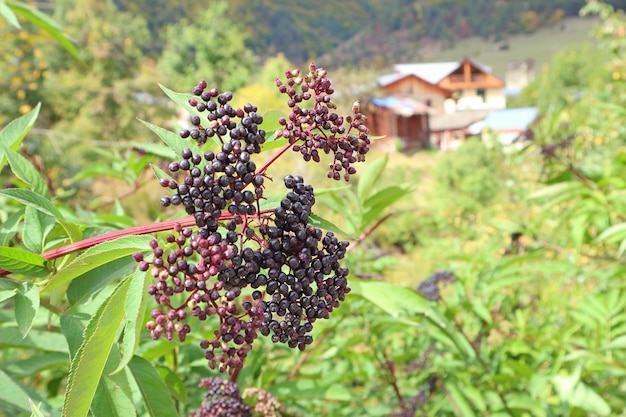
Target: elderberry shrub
point(259, 271)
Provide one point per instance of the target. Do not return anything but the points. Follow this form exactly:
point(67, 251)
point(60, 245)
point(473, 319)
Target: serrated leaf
point(13, 133)
point(153, 389)
point(22, 262)
point(44, 22)
point(182, 99)
point(34, 200)
point(95, 256)
point(89, 284)
point(134, 309)
point(171, 139)
point(88, 364)
point(26, 306)
point(72, 326)
point(369, 176)
point(26, 172)
point(112, 398)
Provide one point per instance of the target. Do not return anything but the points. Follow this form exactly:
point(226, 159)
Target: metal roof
point(512, 120)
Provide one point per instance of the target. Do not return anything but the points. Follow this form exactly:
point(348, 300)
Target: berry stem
point(273, 158)
point(131, 231)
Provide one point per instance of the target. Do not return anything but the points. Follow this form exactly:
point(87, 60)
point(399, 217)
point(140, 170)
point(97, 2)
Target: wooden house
point(442, 88)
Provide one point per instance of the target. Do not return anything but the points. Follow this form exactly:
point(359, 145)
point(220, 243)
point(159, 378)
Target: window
point(482, 94)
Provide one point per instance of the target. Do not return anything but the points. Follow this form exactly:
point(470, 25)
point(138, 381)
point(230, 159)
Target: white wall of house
point(474, 99)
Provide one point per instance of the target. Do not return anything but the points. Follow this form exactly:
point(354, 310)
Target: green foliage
point(534, 325)
point(472, 176)
point(208, 46)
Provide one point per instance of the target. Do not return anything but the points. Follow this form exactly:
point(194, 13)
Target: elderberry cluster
point(430, 287)
point(222, 399)
point(256, 270)
point(318, 129)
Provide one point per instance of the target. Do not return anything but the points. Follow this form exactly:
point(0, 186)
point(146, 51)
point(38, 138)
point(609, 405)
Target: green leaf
point(153, 389)
point(9, 15)
point(613, 234)
point(11, 337)
point(12, 393)
point(560, 192)
point(22, 262)
point(134, 309)
point(172, 140)
point(308, 389)
point(317, 221)
point(95, 256)
point(157, 149)
point(459, 403)
point(35, 411)
point(9, 228)
point(88, 285)
point(35, 364)
point(369, 176)
point(36, 227)
point(26, 306)
point(103, 170)
point(13, 133)
point(88, 364)
point(274, 144)
point(379, 202)
point(73, 327)
point(175, 385)
point(182, 99)
point(46, 23)
point(26, 172)
point(34, 200)
point(395, 300)
point(113, 398)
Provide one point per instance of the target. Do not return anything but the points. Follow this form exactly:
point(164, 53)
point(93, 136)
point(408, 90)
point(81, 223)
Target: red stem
point(131, 231)
point(273, 158)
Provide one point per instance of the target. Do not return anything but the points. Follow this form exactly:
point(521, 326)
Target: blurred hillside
point(303, 31)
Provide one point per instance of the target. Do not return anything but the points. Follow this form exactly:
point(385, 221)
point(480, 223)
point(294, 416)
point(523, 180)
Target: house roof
point(403, 106)
point(432, 72)
point(455, 121)
point(511, 120)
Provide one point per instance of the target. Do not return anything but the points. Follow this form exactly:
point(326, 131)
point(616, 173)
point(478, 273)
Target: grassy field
point(539, 46)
